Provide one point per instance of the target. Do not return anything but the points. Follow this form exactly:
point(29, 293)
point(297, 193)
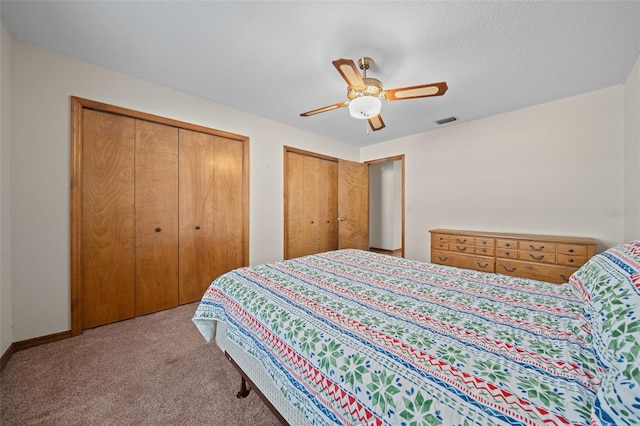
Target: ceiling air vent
point(446, 120)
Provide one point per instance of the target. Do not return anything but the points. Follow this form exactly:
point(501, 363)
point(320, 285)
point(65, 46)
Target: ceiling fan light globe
point(365, 107)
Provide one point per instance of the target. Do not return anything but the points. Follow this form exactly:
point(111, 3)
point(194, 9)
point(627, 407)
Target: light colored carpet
point(151, 370)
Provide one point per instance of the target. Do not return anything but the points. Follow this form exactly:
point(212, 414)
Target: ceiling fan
point(365, 94)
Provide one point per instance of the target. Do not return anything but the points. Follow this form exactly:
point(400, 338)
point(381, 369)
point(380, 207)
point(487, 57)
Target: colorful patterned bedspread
point(353, 337)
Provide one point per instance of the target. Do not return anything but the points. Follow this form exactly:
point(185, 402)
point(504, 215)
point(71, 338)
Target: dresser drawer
point(507, 244)
point(461, 239)
point(462, 248)
point(440, 238)
point(485, 251)
point(536, 256)
point(478, 263)
point(441, 246)
point(536, 271)
point(485, 242)
point(507, 253)
point(570, 260)
point(539, 246)
point(572, 249)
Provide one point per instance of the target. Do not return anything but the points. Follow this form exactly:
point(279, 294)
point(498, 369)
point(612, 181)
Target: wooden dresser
point(540, 257)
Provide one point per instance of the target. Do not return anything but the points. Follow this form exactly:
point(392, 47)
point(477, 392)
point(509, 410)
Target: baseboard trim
point(6, 356)
point(30, 343)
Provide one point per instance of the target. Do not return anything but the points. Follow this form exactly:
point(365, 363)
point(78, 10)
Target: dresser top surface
point(518, 236)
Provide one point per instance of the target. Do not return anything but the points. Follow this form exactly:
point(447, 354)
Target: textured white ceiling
point(273, 59)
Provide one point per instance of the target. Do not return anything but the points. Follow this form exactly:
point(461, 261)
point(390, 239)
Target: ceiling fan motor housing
point(372, 87)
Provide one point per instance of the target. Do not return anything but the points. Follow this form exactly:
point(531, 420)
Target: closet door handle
point(197, 226)
point(158, 229)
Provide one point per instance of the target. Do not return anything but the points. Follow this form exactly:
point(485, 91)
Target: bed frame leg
point(244, 391)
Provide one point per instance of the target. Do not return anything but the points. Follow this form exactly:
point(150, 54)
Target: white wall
point(632, 154)
point(397, 204)
point(385, 205)
point(376, 228)
point(6, 337)
point(555, 168)
point(42, 82)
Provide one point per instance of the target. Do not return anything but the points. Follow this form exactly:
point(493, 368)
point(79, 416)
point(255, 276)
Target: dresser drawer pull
point(461, 241)
point(507, 253)
point(509, 270)
point(564, 277)
point(461, 248)
point(536, 249)
point(442, 259)
point(570, 260)
point(507, 244)
point(570, 250)
point(482, 266)
point(484, 250)
point(484, 242)
point(536, 257)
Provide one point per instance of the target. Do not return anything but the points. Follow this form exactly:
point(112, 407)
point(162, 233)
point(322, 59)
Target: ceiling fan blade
point(376, 123)
point(324, 109)
point(348, 70)
point(411, 92)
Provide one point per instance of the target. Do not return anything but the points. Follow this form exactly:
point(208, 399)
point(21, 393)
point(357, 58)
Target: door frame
point(77, 107)
point(400, 157)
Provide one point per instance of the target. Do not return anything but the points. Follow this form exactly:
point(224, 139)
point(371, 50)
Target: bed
point(355, 337)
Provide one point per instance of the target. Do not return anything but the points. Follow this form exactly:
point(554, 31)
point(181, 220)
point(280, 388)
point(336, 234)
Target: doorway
point(386, 205)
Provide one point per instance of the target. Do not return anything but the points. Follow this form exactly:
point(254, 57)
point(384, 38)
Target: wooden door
point(328, 205)
point(353, 205)
point(156, 210)
point(107, 220)
point(228, 206)
point(310, 205)
point(196, 214)
point(124, 209)
point(211, 210)
point(294, 205)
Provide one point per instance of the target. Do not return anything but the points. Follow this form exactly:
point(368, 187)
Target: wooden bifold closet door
point(211, 210)
point(312, 204)
point(158, 212)
point(156, 217)
point(107, 238)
